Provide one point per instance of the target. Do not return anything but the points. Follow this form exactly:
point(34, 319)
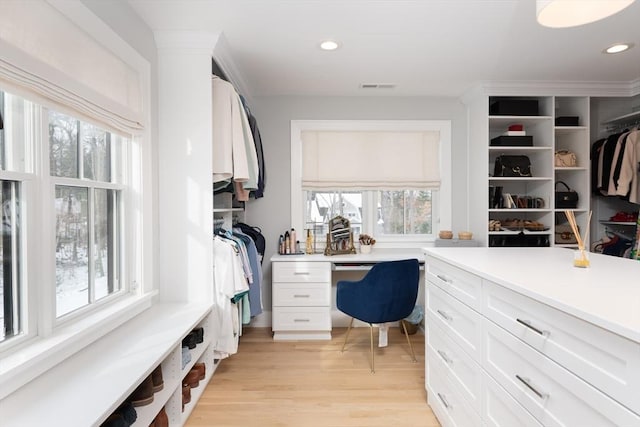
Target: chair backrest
point(386, 294)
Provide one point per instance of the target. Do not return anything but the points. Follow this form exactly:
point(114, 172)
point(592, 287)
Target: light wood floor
point(311, 383)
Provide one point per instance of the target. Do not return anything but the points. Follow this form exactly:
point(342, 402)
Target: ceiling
point(424, 47)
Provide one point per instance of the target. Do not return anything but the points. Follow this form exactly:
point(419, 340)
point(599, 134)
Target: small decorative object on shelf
point(581, 256)
point(366, 243)
point(445, 234)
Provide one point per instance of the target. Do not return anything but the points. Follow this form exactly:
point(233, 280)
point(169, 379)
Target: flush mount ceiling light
point(329, 45)
point(571, 13)
point(618, 47)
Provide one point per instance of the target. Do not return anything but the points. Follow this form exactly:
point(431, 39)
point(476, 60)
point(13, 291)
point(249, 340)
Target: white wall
point(272, 213)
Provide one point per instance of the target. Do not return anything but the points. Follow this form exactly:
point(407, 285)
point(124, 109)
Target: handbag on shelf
point(564, 235)
point(512, 166)
point(565, 159)
point(566, 199)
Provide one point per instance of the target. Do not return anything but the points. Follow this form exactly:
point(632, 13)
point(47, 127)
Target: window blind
point(44, 54)
point(363, 160)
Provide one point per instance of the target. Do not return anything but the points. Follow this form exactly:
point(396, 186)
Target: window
point(393, 204)
point(83, 164)
point(86, 172)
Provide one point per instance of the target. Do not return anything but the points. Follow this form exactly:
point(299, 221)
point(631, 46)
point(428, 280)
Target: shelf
point(509, 120)
point(623, 119)
point(630, 224)
point(573, 168)
point(564, 130)
point(224, 210)
point(516, 232)
point(520, 210)
point(518, 149)
point(513, 178)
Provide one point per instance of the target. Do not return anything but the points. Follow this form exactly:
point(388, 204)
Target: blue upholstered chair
point(387, 293)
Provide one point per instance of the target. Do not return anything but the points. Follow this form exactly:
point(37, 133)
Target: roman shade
point(47, 57)
point(366, 160)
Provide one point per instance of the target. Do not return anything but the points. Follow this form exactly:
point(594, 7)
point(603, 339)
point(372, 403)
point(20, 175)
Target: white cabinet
point(301, 294)
point(514, 359)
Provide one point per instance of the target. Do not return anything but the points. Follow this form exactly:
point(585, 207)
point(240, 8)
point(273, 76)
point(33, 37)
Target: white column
point(185, 198)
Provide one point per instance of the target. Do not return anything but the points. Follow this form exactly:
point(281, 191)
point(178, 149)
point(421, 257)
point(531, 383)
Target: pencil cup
point(581, 259)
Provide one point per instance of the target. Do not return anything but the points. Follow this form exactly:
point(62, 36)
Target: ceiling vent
point(377, 86)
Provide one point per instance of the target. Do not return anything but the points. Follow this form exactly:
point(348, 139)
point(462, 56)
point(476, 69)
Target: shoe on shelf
point(202, 370)
point(161, 420)
point(128, 412)
point(186, 356)
point(115, 420)
point(192, 378)
point(156, 377)
point(143, 395)
point(199, 332)
point(190, 340)
point(186, 395)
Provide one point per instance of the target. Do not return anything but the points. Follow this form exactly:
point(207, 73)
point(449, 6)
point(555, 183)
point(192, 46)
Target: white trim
point(557, 88)
point(441, 219)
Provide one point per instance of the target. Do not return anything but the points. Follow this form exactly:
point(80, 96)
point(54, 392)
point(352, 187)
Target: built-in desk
point(302, 291)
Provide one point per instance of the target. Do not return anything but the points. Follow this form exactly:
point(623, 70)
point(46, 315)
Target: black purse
point(566, 199)
point(512, 166)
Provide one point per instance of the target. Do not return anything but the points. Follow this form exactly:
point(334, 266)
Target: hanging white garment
point(630, 170)
point(229, 281)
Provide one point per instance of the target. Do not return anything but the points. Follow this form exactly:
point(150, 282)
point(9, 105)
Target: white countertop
point(376, 255)
point(607, 294)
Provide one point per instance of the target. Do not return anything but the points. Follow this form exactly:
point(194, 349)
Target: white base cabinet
point(497, 357)
point(301, 293)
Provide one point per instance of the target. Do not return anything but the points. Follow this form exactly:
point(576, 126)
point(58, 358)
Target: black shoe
point(199, 335)
point(189, 340)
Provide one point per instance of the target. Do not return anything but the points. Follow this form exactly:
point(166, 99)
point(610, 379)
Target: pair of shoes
point(186, 395)
point(143, 394)
point(186, 356)
point(192, 378)
point(202, 370)
point(495, 225)
point(193, 338)
point(199, 332)
point(534, 226)
point(156, 377)
point(161, 420)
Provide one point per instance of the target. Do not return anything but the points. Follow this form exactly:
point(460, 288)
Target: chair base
point(373, 366)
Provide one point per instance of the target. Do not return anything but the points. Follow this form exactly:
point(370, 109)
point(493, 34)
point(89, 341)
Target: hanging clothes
point(615, 163)
point(255, 288)
point(234, 154)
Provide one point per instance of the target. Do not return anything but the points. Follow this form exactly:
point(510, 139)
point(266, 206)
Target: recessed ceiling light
point(329, 45)
point(618, 47)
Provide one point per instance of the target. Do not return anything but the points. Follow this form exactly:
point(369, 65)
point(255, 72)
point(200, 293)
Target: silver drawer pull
point(301, 296)
point(445, 357)
point(444, 401)
point(301, 320)
point(301, 273)
point(527, 323)
point(444, 278)
point(527, 382)
point(445, 316)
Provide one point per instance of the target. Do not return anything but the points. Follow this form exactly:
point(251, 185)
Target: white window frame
point(47, 343)
point(441, 215)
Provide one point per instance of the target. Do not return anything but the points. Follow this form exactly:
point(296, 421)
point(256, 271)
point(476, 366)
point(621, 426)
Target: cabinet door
point(553, 395)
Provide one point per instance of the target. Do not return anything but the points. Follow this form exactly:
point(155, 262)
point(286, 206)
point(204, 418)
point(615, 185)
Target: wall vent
point(377, 86)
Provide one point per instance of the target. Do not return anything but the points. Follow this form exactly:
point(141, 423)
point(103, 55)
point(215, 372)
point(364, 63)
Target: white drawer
point(553, 395)
point(608, 361)
point(459, 283)
point(447, 404)
point(301, 271)
point(458, 321)
point(502, 410)
point(459, 367)
point(301, 294)
point(301, 319)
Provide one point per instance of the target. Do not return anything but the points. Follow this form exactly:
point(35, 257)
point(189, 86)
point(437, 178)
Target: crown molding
point(222, 56)
point(548, 88)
